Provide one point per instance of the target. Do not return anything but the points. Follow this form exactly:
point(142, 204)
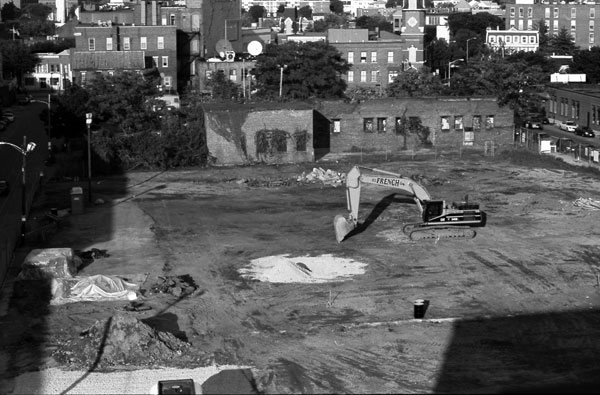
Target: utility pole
point(88, 121)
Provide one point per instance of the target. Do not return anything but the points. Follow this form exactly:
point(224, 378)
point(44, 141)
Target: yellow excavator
point(439, 220)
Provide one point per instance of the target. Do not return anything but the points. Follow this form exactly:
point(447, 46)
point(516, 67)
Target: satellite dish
point(223, 46)
point(222, 54)
point(255, 48)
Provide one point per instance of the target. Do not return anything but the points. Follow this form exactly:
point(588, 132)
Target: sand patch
point(303, 269)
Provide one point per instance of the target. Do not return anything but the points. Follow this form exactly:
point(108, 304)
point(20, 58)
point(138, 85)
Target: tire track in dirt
point(495, 268)
point(528, 272)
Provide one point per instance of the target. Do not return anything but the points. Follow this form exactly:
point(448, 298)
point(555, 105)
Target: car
point(531, 124)
point(584, 131)
point(9, 115)
point(4, 187)
point(569, 126)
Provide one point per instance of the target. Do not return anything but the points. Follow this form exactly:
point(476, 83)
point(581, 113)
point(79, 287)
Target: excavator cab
point(432, 209)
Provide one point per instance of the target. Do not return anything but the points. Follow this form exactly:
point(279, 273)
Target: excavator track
point(423, 232)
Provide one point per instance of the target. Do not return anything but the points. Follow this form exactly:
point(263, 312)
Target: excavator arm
point(383, 178)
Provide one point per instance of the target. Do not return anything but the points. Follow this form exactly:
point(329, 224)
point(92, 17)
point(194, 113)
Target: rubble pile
point(327, 177)
point(587, 203)
point(121, 340)
point(177, 286)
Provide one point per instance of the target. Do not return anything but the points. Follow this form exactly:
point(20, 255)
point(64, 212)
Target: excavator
point(439, 219)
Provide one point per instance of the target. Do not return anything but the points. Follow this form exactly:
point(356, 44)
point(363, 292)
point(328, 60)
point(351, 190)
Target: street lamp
point(24, 150)
point(88, 122)
point(469, 39)
point(281, 78)
point(450, 64)
point(48, 103)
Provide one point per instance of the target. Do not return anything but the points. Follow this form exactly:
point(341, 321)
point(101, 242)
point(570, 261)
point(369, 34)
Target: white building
point(512, 40)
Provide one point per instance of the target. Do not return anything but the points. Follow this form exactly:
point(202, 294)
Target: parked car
point(533, 124)
point(569, 126)
point(9, 115)
point(584, 131)
point(4, 187)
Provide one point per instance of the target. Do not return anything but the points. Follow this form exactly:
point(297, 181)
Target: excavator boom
point(439, 220)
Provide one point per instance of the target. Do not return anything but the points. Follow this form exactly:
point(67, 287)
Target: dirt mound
point(121, 340)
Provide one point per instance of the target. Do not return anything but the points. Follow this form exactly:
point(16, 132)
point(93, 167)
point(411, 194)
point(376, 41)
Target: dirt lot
point(514, 309)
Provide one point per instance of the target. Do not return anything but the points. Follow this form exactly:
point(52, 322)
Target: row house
point(111, 48)
point(512, 40)
point(578, 18)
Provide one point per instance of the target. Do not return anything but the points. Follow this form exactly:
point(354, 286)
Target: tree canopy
point(9, 12)
point(413, 82)
point(311, 69)
point(562, 43)
point(17, 60)
point(588, 63)
point(336, 6)
point(372, 22)
point(476, 23)
point(256, 11)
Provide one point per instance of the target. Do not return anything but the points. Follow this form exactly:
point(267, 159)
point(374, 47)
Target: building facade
point(578, 18)
point(53, 73)
point(512, 40)
point(580, 103)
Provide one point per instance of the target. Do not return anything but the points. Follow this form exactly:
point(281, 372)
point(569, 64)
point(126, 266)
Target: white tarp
point(49, 263)
point(93, 288)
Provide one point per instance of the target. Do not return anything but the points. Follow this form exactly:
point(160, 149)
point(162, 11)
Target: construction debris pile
point(120, 340)
point(327, 177)
point(587, 203)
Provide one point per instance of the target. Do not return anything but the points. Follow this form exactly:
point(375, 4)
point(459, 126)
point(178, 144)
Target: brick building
point(112, 48)
point(579, 103)
point(578, 18)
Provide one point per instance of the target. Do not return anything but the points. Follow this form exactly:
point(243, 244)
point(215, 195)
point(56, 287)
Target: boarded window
point(301, 138)
point(381, 125)
point(368, 125)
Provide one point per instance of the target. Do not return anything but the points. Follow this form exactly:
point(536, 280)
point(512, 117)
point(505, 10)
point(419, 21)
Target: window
point(368, 125)
point(336, 125)
point(390, 57)
point(91, 44)
point(172, 19)
point(492, 39)
point(143, 43)
point(167, 81)
point(350, 57)
point(521, 12)
point(381, 125)
point(573, 13)
point(373, 57)
point(155, 61)
point(126, 44)
point(374, 76)
point(529, 12)
point(547, 13)
point(489, 122)
point(512, 12)
point(524, 39)
point(556, 13)
point(363, 76)
point(529, 24)
point(109, 44)
point(301, 140)
point(508, 39)
point(591, 38)
point(592, 13)
point(165, 61)
point(208, 74)
point(392, 74)
point(458, 122)
point(575, 105)
point(520, 24)
point(363, 57)
point(532, 40)
point(591, 26)
point(160, 42)
point(398, 125)
point(555, 26)
point(573, 26)
point(476, 122)
point(445, 122)
point(351, 76)
point(83, 77)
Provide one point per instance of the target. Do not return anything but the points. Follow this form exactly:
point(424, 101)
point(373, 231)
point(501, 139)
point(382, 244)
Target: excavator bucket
point(342, 227)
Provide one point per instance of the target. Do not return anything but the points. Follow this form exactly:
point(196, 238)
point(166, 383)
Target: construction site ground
point(240, 267)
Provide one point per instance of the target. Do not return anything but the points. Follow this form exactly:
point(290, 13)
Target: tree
point(9, 12)
point(413, 82)
point(588, 63)
point(372, 22)
point(37, 28)
point(390, 4)
point(476, 23)
point(336, 6)
point(54, 46)
point(256, 12)
point(331, 21)
point(17, 60)
point(305, 12)
point(311, 69)
point(36, 11)
point(222, 87)
point(281, 8)
point(562, 43)
point(542, 29)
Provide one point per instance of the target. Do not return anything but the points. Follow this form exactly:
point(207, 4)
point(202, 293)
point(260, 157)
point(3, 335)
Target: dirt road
point(514, 309)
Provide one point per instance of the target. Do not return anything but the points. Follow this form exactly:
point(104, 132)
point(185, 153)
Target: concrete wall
point(352, 135)
point(232, 135)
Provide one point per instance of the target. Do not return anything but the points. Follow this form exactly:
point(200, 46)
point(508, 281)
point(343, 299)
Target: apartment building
point(578, 18)
point(512, 40)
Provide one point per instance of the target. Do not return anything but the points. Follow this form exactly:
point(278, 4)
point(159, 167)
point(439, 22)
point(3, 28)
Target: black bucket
point(420, 307)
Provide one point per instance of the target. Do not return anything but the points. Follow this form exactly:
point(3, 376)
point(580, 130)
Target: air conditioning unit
point(229, 56)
